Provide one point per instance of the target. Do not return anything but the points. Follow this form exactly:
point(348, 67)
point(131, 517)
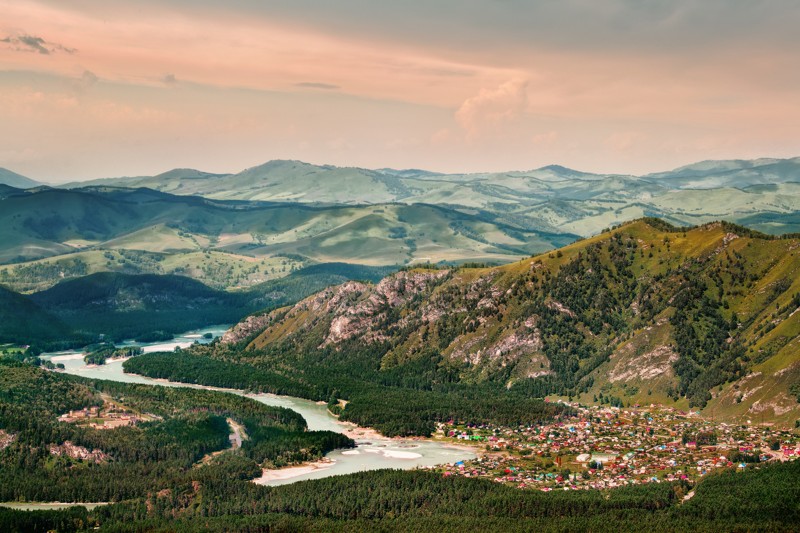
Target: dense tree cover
point(707, 358)
point(24, 322)
point(179, 428)
point(122, 306)
point(583, 304)
point(98, 353)
point(150, 307)
point(398, 402)
point(766, 499)
point(72, 519)
point(186, 368)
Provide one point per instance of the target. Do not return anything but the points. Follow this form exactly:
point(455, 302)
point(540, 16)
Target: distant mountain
point(647, 313)
point(733, 173)
point(232, 243)
point(552, 199)
point(18, 181)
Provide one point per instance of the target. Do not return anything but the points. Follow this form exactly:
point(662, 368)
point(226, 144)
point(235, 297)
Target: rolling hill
point(549, 199)
point(707, 317)
point(121, 306)
point(53, 222)
point(18, 181)
point(23, 321)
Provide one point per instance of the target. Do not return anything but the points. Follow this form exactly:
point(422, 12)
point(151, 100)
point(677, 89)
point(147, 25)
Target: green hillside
point(22, 320)
point(121, 306)
point(55, 223)
point(549, 199)
point(18, 181)
point(696, 318)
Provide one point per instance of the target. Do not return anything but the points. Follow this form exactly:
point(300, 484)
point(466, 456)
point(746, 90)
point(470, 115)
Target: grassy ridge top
point(703, 317)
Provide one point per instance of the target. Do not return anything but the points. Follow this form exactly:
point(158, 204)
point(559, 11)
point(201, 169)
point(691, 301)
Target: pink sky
point(92, 89)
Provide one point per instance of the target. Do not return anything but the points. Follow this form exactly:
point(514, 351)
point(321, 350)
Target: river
point(373, 452)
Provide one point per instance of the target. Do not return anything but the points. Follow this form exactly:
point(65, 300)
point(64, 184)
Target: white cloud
point(490, 109)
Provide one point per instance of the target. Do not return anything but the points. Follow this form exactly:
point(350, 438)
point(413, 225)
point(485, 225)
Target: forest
point(764, 499)
point(714, 302)
point(113, 306)
point(176, 430)
point(400, 402)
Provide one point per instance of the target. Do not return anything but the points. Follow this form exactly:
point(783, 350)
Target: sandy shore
point(291, 471)
point(361, 433)
point(464, 448)
point(49, 506)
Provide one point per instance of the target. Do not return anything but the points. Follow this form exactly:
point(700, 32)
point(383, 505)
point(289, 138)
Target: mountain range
point(762, 193)
point(707, 317)
point(233, 231)
point(233, 244)
point(12, 179)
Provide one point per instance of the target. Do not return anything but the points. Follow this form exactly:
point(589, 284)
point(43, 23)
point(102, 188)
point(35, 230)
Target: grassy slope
point(765, 295)
point(127, 304)
point(761, 192)
point(57, 222)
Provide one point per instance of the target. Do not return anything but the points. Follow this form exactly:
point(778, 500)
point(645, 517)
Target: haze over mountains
point(12, 179)
point(759, 193)
point(237, 230)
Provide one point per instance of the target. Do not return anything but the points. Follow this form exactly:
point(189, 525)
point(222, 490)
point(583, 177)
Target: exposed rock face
point(247, 327)
point(646, 366)
point(362, 317)
point(512, 347)
point(6, 439)
point(78, 452)
point(781, 404)
point(729, 237)
point(561, 308)
point(354, 309)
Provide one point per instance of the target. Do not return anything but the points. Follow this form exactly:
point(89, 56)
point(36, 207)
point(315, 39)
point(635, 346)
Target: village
point(110, 416)
point(605, 447)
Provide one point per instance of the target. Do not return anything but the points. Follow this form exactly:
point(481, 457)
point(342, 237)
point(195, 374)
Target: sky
point(92, 88)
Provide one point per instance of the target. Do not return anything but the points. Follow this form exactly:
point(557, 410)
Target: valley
point(646, 313)
point(470, 344)
point(374, 451)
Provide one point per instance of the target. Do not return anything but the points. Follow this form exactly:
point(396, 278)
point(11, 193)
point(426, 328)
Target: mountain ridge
point(18, 181)
point(533, 198)
point(705, 317)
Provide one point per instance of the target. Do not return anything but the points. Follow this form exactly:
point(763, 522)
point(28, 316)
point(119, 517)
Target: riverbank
point(48, 506)
point(403, 453)
point(269, 476)
point(374, 451)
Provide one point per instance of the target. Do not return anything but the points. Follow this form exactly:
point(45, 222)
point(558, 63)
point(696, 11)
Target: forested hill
point(175, 470)
point(119, 306)
point(704, 317)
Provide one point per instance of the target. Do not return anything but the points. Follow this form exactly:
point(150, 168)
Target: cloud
point(491, 108)
point(32, 43)
point(317, 85)
point(169, 79)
